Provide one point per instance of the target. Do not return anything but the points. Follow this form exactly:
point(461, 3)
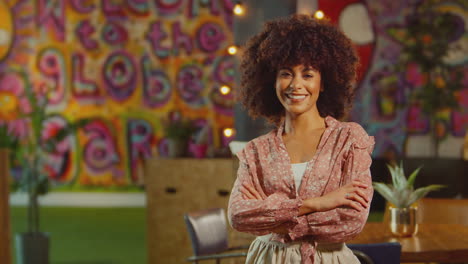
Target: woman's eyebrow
point(309, 68)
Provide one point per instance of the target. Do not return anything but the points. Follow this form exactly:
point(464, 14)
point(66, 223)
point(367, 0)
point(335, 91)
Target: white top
point(298, 171)
point(236, 146)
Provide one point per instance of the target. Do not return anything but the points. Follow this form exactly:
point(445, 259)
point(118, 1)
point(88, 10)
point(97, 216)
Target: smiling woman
point(304, 188)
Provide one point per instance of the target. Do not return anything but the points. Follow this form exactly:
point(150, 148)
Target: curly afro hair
point(287, 42)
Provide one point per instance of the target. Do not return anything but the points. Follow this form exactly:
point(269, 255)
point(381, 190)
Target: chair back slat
point(207, 230)
point(380, 253)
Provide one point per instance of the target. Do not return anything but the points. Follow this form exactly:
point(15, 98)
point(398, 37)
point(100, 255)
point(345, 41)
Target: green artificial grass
point(90, 235)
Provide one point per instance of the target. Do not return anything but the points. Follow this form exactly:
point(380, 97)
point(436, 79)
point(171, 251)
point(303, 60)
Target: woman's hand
point(249, 192)
point(350, 195)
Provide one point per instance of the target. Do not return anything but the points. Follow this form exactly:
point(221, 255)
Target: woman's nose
point(295, 85)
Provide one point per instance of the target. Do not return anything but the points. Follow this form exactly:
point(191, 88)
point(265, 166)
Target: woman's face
point(298, 89)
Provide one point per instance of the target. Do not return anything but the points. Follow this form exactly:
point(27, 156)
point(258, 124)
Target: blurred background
point(116, 115)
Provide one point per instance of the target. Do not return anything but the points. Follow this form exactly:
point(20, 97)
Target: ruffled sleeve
point(258, 217)
point(342, 224)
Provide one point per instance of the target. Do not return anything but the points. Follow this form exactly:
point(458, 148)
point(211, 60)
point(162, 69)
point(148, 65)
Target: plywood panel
point(177, 186)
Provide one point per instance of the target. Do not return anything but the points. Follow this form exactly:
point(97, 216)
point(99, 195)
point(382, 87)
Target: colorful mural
point(382, 104)
point(125, 65)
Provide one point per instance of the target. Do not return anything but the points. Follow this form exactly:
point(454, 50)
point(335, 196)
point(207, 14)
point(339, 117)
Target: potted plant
point(32, 247)
point(178, 131)
point(402, 198)
point(198, 144)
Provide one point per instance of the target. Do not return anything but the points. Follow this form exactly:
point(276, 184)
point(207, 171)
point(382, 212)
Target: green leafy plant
point(426, 41)
point(178, 131)
point(429, 34)
point(401, 192)
point(7, 141)
point(29, 153)
point(201, 136)
point(178, 128)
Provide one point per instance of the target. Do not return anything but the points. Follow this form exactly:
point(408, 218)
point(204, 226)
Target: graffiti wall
point(127, 64)
point(389, 114)
point(382, 105)
point(124, 65)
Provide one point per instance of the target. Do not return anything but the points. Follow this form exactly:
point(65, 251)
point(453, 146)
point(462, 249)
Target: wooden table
point(432, 243)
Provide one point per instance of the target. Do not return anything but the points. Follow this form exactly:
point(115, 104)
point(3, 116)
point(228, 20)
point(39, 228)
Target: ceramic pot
point(32, 248)
point(403, 221)
point(198, 150)
point(176, 148)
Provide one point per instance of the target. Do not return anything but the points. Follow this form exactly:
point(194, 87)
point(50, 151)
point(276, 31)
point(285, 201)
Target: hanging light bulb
point(225, 89)
point(239, 9)
point(228, 132)
point(232, 50)
point(319, 14)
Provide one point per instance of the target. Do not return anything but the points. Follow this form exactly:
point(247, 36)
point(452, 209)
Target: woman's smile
point(296, 98)
point(298, 89)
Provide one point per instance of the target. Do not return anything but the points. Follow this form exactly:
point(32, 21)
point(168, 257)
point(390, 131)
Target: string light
point(319, 14)
point(239, 9)
point(225, 89)
point(232, 50)
point(228, 132)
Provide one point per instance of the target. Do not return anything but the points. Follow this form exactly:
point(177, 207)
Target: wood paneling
point(5, 232)
point(176, 186)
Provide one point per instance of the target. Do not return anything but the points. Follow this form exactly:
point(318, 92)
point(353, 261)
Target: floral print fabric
point(343, 155)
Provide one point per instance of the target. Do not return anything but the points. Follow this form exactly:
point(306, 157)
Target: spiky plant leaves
point(386, 191)
point(412, 177)
point(401, 192)
point(421, 192)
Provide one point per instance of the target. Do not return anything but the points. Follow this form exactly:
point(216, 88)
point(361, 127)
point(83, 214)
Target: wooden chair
point(377, 253)
point(362, 257)
point(209, 237)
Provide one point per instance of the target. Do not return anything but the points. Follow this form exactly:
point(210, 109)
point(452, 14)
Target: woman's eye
point(308, 76)
point(285, 74)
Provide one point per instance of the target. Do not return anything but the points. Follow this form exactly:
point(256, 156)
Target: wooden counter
point(176, 186)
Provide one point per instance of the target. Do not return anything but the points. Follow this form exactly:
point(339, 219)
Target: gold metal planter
point(403, 221)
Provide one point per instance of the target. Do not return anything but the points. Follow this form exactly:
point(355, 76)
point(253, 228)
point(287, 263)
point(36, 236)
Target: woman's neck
point(303, 123)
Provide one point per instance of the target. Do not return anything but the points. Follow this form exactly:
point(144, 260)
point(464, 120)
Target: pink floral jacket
point(343, 155)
